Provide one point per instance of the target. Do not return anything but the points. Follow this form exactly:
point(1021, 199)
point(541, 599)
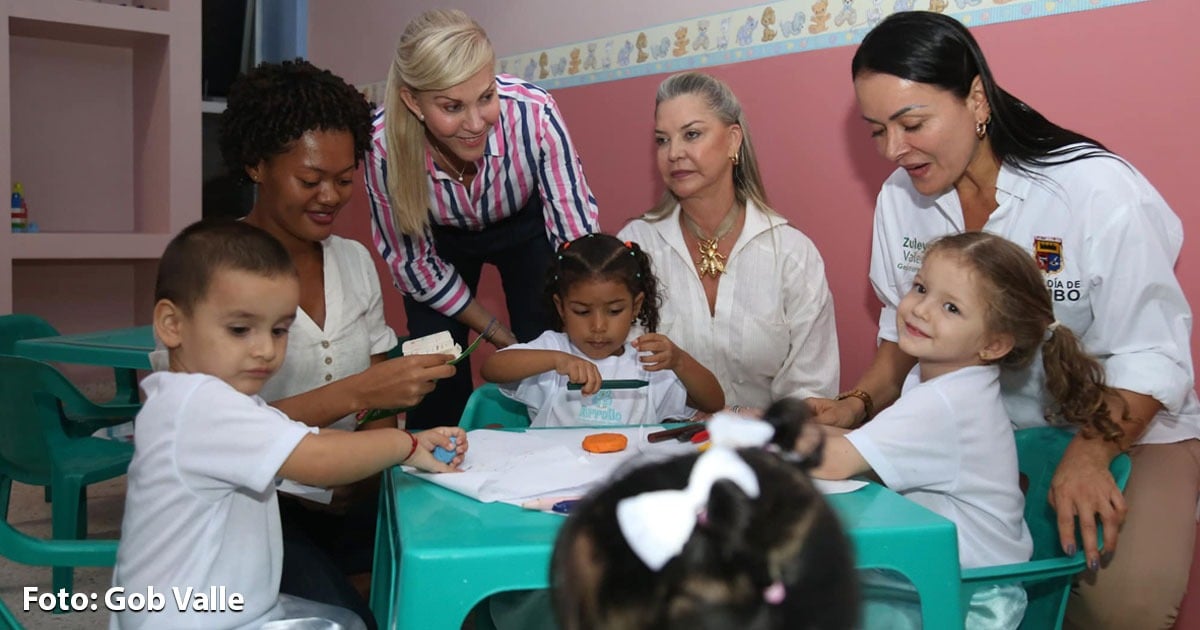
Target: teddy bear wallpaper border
point(776, 28)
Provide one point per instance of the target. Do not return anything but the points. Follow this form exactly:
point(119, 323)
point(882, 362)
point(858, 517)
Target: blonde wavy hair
point(747, 183)
point(439, 49)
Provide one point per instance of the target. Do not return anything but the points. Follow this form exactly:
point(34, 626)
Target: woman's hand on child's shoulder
point(579, 370)
point(663, 354)
point(430, 439)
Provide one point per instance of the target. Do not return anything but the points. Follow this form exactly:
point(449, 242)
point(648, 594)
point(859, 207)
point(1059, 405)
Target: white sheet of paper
point(312, 493)
point(827, 486)
point(514, 467)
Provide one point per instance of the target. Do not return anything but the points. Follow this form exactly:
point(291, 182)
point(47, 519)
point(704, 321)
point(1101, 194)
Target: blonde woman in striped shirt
point(468, 168)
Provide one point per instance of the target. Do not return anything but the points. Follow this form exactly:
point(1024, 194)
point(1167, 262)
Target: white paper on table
point(514, 467)
point(829, 486)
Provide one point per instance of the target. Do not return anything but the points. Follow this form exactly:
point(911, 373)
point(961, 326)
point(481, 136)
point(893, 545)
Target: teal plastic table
point(438, 553)
point(127, 348)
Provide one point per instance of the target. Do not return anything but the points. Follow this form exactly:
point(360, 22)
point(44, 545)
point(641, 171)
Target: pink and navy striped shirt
point(528, 152)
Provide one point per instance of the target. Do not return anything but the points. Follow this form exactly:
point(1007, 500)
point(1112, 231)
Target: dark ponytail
point(780, 560)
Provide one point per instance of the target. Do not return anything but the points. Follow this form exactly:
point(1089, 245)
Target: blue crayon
point(564, 507)
point(445, 455)
point(544, 504)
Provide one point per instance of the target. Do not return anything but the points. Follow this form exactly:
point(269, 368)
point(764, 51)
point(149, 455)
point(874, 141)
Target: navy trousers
point(321, 549)
point(520, 251)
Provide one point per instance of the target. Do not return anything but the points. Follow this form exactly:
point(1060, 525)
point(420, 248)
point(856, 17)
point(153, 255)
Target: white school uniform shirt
point(773, 332)
point(354, 328)
point(1106, 243)
point(947, 444)
point(201, 507)
point(552, 405)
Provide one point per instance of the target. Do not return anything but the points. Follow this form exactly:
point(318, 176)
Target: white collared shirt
point(773, 334)
point(1107, 245)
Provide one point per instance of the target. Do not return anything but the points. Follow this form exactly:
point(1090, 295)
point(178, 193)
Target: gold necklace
point(461, 172)
point(711, 262)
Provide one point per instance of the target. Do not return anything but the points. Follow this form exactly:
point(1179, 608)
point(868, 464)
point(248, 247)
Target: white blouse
point(354, 328)
point(773, 334)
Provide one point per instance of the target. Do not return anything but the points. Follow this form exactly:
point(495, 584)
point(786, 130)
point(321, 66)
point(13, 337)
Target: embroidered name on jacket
point(912, 252)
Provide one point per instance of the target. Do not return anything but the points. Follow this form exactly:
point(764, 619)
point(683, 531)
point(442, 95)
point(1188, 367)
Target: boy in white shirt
point(201, 534)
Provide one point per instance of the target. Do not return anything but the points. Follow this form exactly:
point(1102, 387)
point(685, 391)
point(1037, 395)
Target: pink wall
point(1124, 75)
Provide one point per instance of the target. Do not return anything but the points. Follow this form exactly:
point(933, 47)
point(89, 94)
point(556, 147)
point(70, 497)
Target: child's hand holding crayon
point(578, 370)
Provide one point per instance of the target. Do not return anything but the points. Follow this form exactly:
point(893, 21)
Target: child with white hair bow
point(735, 537)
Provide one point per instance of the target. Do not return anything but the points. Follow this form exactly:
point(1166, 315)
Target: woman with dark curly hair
point(298, 133)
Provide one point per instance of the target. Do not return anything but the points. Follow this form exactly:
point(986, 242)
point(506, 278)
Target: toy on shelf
point(20, 212)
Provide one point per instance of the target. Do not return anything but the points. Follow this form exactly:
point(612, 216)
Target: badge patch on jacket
point(1048, 252)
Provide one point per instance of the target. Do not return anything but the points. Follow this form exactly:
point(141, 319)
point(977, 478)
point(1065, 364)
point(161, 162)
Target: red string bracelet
point(415, 445)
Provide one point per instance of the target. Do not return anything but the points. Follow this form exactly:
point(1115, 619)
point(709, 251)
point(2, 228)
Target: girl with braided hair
point(598, 288)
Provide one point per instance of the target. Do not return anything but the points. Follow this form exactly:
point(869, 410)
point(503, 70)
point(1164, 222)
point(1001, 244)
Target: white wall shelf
point(80, 246)
point(100, 122)
point(63, 18)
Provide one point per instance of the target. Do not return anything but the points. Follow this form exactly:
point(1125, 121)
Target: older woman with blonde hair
point(744, 292)
point(469, 168)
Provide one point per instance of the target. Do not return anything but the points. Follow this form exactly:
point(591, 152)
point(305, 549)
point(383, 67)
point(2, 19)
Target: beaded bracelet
point(490, 329)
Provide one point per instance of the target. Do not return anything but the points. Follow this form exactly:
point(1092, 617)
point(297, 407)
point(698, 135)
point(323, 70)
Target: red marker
point(700, 437)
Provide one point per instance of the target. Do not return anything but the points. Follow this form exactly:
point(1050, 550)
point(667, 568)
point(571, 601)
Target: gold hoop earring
point(734, 158)
point(981, 128)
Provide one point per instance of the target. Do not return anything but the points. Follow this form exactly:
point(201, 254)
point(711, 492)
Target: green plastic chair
point(1048, 574)
point(35, 448)
point(488, 408)
point(24, 549)
point(16, 327)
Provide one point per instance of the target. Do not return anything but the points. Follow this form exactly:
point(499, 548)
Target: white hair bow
point(658, 524)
